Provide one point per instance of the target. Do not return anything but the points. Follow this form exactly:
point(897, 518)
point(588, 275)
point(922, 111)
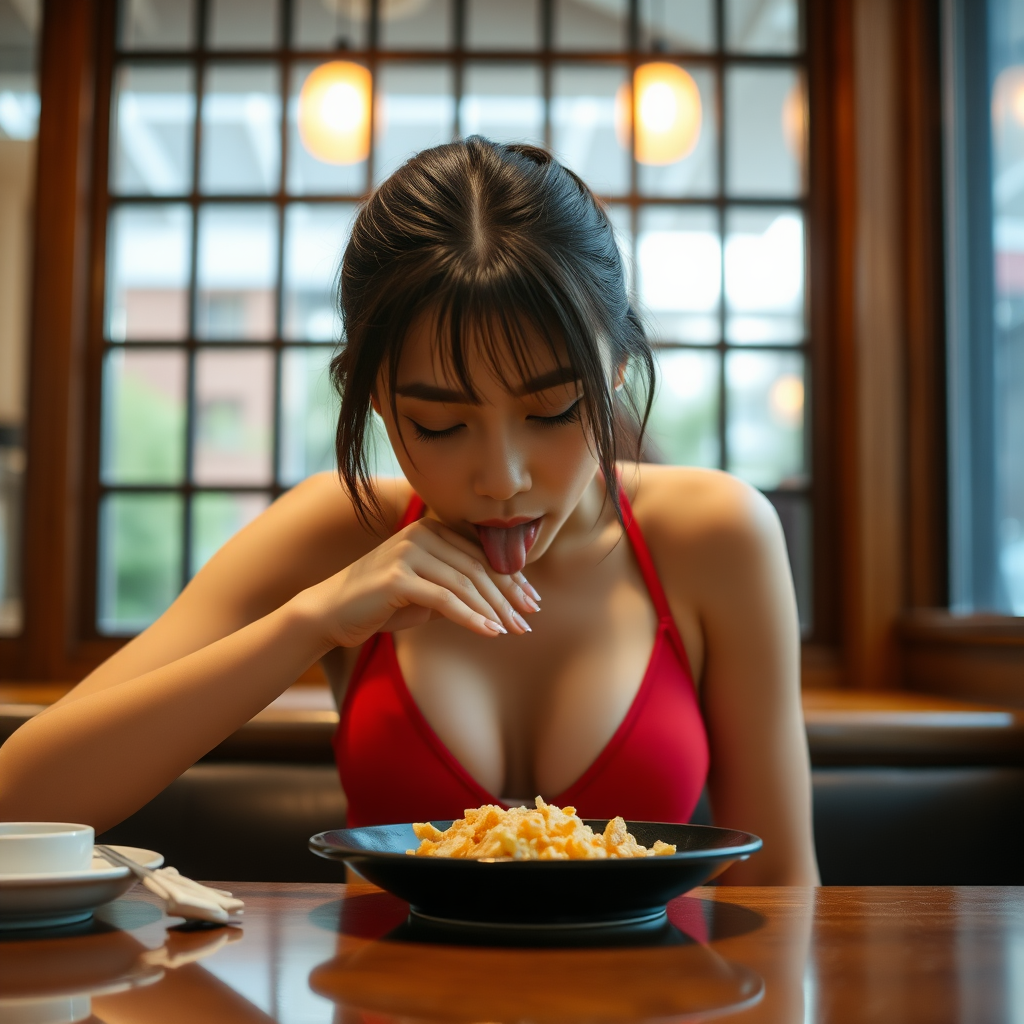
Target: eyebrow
point(431, 393)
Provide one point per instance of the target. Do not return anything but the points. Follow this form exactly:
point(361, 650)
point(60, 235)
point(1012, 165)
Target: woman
point(487, 322)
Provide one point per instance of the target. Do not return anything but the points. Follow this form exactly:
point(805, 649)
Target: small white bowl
point(44, 847)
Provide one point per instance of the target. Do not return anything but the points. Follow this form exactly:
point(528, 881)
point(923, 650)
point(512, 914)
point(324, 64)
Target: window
point(985, 214)
point(228, 205)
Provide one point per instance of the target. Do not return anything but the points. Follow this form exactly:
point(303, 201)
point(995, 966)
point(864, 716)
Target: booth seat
point(908, 790)
point(939, 825)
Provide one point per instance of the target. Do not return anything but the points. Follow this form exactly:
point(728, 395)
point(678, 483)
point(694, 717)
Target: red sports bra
point(394, 767)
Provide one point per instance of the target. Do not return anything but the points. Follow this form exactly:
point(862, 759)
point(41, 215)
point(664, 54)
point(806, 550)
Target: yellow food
point(545, 832)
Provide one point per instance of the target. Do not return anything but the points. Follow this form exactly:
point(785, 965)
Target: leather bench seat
point(959, 825)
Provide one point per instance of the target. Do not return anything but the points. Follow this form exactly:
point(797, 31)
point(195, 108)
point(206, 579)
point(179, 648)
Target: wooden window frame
point(878, 416)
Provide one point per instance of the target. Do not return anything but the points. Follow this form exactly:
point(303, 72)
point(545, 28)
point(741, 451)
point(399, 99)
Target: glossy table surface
point(343, 954)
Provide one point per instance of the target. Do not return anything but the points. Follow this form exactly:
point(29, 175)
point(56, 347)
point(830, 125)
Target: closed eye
point(426, 434)
point(571, 415)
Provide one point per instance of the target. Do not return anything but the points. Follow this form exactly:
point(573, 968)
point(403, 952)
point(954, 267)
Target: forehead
point(494, 355)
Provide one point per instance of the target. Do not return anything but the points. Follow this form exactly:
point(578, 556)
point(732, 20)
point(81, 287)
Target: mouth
point(507, 542)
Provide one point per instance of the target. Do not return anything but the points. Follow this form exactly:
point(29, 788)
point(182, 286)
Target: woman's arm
point(301, 580)
point(726, 556)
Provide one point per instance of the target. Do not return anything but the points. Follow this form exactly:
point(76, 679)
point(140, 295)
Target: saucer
point(67, 897)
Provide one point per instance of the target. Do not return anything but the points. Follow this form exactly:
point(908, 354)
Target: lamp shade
point(334, 112)
point(663, 108)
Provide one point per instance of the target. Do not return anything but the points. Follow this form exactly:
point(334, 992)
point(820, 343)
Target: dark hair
point(490, 236)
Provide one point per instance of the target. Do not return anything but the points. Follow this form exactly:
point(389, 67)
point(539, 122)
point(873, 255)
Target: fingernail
point(530, 603)
point(520, 622)
point(496, 626)
point(529, 588)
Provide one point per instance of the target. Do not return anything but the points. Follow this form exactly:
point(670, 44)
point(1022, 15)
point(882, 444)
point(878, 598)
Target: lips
point(506, 543)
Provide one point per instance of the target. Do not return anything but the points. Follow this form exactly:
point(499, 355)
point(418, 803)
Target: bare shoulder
point(707, 531)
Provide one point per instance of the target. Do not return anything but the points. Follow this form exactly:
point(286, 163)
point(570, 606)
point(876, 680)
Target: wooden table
point(311, 953)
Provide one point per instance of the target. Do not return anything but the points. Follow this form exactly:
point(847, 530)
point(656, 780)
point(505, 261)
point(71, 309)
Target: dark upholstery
point(920, 826)
point(873, 826)
point(246, 822)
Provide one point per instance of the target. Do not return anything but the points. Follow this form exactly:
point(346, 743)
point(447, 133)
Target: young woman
point(487, 322)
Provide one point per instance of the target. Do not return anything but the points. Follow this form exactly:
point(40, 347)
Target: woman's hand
point(422, 572)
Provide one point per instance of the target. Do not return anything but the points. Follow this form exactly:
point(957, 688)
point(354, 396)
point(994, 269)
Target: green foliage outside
point(141, 535)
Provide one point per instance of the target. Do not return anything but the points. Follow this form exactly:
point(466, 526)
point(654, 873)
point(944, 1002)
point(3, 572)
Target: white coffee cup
point(44, 847)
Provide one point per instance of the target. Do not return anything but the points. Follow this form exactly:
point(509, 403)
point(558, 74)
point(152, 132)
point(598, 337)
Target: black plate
point(532, 893)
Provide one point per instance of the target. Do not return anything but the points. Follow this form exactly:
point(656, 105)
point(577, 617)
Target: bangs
point(504, 320)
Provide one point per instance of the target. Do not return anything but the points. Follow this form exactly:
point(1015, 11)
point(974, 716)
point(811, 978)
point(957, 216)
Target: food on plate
point(544, 832)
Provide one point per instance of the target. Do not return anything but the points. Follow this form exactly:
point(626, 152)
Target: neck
point(587, 521)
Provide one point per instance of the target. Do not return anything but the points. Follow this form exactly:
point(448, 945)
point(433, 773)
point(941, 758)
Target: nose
point(501, 471)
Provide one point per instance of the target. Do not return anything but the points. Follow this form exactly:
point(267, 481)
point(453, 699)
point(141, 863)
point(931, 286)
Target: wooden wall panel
point(873, 365)
point(59, 303)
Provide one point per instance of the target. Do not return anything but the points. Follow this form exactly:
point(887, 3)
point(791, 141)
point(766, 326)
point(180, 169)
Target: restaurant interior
point(814, 201)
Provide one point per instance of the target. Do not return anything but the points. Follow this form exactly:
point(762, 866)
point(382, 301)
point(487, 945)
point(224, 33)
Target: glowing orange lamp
point(665, 110)
point(794, 121)
point(1008, 96)
point(334, 112)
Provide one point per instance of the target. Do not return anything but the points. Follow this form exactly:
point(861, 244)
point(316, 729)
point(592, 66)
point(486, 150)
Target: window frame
point(850, 567)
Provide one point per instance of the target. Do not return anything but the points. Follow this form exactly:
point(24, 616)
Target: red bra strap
point(643, 557)
point(650, 575)
point(413, 511)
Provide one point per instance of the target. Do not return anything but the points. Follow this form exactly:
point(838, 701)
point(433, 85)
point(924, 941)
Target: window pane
point(329, 26)
point(583, 125)
point(695, 173)
point(308, 175)
point(765, 428)
point(149, 255)
point(1008, 320)
point(234, 410)
point(216, 518)
point(139, 559)
point(416, 25)
point(680, 266)
point(503, 102)
point(309, 414)
point(415, 109)
point(764, 114)
point(583, 25)
point(380, 456)
point(764, 276)
point(237, 272)
point(503, 24)
point(152, 127)
point(684, 421)
point(762, 26)
point(681, 25)
point(315, 237)
point(241, 143)
point(157, 24)
point(243, 24)
point(143, 433)
point(795, 515)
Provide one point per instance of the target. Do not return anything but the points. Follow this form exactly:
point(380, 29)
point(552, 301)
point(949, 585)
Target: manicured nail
point(530, 603)
point(529, 588)
point(520, 622)
point(496, 626)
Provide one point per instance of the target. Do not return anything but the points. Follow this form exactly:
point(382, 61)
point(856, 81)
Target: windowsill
point(844, 727)
point(970, 657)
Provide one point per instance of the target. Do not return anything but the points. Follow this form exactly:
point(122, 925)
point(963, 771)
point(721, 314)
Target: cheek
point(563, 455)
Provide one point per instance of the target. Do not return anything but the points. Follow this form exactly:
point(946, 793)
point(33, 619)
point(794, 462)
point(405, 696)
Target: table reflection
point(386, 968)
point(334, 954)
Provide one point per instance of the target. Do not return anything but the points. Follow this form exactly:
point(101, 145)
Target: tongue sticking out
point(506, 547)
